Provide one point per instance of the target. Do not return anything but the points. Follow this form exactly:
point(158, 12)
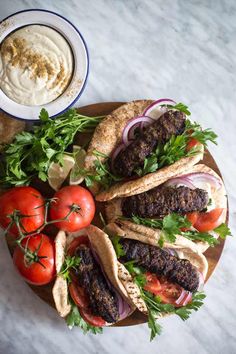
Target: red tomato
point(78, 295)
point(93, 320)
point(170, 293)
point(192, 217)
point(210, 220)
point(165, 290)
point(80, 240)
point(192, 144)
point(153, 285)
point(36, 273)
point(68, 198)
point(29, 203)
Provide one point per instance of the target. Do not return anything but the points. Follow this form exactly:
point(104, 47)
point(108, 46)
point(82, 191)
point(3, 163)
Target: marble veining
point(145, 49)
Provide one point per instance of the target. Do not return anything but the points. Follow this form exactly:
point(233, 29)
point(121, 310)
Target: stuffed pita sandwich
point(83, 292)
point(190, 208)
point(158, 281)
point(139, 145)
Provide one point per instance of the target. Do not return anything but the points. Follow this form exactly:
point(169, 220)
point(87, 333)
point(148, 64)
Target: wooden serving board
point(213, 254)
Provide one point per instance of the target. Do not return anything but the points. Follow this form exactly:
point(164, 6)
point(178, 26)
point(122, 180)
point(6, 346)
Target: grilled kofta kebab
point(160, 262)
point(163, 200)
point(102, 299)
point(171, 123)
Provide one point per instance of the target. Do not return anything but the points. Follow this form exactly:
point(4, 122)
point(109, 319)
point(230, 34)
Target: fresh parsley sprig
point(154, 326)
point(31, 153)
point(74, 319)
point(70, 262)
point(154, 304)
point(176, 148)
point(194, 130)
point(117, 246)
point(178, 107)
point(174, 224)
point(170, 226)
point(102, 173)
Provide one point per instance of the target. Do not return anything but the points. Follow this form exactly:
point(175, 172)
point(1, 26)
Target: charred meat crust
point(161, 201)
point(162, 263)
point(102, 299)
point(169, 124)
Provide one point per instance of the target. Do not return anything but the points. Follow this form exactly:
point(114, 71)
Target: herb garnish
point(174, 149)
point(117, 246)
point(70, 262)
point(154, 305)
point(74, 319)
point(102, 174)
point(179, 107)
point(156, 309)
point(172, 225)
point(31, 153)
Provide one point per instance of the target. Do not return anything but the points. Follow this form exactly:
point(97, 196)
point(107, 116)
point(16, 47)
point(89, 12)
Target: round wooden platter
point(213, 254)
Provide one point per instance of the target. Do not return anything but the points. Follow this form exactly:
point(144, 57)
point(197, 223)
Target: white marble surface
point(145, 49)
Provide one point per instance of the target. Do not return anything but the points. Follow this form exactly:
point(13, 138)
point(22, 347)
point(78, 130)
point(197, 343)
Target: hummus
point(36, 65)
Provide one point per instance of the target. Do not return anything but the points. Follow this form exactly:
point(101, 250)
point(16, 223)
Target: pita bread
point(149, 181)
point(184, 248)
point(105, 251)
point(60, 288)
point(113, 210)
point(118, 274)
point(108, 134)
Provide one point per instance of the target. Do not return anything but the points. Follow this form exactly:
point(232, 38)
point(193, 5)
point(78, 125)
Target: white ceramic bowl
point(80, 54)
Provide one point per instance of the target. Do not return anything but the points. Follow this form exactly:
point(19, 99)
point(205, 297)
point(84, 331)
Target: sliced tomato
point(168, 292)
point(80, 240)
point(192, 217)
point(95, 321)
point(210, 220)
point(153, 285)
point(192, 144)
point(78, 295)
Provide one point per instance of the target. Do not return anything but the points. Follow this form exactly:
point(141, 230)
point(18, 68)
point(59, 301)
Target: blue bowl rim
point(87, 54)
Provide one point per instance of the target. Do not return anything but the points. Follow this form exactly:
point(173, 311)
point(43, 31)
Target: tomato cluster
point(23, 214)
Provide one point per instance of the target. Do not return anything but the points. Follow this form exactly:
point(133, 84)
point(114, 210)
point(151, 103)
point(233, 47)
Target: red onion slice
point(133, 129)
point(155, 110)
point(202, 177)
point(130, 124)
point(188, 299)
point(123, 306)
point(116, 152)
point(181, 297)
point(171, 251)
point(180, 181)
point(147, 122)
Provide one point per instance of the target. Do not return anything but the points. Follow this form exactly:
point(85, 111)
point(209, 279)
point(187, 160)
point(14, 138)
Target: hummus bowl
point(44, 62)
